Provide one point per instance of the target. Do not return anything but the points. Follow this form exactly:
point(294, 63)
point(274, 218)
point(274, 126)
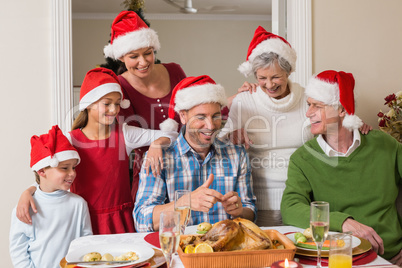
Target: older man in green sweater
point(358, 175)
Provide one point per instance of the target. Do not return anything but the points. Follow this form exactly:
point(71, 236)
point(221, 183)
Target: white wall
point(25, 83)
point(209, 47)
point(362, 37)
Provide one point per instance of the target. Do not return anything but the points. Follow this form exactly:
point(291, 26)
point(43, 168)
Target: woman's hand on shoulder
point(250, 87)
point(154, 157)
point(247, 86)
point(365, 129)
point(24, 203)
point(239, 137)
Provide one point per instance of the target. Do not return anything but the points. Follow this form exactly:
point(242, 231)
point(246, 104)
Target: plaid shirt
point(185, 169)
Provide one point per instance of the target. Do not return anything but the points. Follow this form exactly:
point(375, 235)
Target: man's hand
point(231, 202)
point(203, 198)
point(366, 232)
point(397, 259)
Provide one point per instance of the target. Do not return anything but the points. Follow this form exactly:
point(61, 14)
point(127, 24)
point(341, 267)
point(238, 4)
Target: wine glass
point(169, 234)
point(319, 224)
point(182, 204)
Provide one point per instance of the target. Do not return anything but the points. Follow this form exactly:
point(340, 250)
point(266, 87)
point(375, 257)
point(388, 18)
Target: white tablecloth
point(138, 239)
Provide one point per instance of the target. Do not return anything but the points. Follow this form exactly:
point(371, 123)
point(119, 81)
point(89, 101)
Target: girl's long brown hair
point(81, 121)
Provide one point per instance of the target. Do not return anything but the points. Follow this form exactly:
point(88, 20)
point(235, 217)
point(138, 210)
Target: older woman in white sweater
point(273, 119)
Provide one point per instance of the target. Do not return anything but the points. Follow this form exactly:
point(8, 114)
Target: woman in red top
point(146, 84)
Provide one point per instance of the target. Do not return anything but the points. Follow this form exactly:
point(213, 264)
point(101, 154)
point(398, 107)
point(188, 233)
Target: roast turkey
point(238, 234)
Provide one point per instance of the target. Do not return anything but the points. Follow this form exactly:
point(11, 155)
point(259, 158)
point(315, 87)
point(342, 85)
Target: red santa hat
point(336, 88)
point(49, 149)
point(129, 32)
point(266, 42)
point(97, 83)
point(190, 92)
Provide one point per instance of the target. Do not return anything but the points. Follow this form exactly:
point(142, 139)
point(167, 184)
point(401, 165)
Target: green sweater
point(363, 186)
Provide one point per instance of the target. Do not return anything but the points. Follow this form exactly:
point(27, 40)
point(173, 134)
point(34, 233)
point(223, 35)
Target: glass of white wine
point(182, 204)
point(169, 234)
point(319, 224)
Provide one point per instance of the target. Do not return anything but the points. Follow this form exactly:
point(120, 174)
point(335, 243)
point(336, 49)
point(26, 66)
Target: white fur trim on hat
point(97, 93)
point(189, 97)
point(56, 159)
point(352, 122)
point(323, 91)
point(169, 125)
point(124, 44)
point(275, 45)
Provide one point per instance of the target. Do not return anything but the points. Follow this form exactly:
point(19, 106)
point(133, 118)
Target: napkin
point(153, 239)
point(360, 259)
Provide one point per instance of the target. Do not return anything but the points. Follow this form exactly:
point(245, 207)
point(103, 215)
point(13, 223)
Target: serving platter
point(116, 249)
point(239, 259)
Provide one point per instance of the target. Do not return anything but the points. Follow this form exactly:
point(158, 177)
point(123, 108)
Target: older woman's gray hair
point(266, 60)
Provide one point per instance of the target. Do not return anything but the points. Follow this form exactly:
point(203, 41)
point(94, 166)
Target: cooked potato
point(204, 227)
point(129, 256)
point(308, 234)
point(107, 257)
point(93, 256)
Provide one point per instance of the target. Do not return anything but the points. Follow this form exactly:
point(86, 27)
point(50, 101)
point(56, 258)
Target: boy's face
point(58, 178)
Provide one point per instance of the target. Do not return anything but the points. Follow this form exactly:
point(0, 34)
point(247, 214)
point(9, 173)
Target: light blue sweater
point(62, 216)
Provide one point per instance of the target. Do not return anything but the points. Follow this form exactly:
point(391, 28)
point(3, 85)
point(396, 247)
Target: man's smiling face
point(323, 118)
point(202, 124)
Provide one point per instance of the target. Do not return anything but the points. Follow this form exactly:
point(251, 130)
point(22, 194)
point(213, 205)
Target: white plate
point(192, 229)
point(355, 241)
point(144, 252)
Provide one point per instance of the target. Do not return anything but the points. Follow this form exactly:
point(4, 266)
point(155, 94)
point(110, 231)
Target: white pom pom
point(169, 125)
point(53, 162)
point(352, 122)
point(108, 51)
point(125, 104)
point(245, 68)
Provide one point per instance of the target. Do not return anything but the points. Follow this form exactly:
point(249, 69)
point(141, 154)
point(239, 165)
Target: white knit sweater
point(276, 128)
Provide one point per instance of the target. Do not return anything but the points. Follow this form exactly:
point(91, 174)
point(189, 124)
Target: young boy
point(62, 216)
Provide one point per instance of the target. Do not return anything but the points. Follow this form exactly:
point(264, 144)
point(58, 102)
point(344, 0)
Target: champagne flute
point(169, 234)
point(319, 224)
point(182, 204)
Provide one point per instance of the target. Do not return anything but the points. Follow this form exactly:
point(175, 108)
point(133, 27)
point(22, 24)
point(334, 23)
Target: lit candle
point(286, 264)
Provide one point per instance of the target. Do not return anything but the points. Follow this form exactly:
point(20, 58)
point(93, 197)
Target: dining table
point(158, 260)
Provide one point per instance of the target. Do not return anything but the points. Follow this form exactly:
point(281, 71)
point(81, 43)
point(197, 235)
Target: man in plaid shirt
point(218, 174)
